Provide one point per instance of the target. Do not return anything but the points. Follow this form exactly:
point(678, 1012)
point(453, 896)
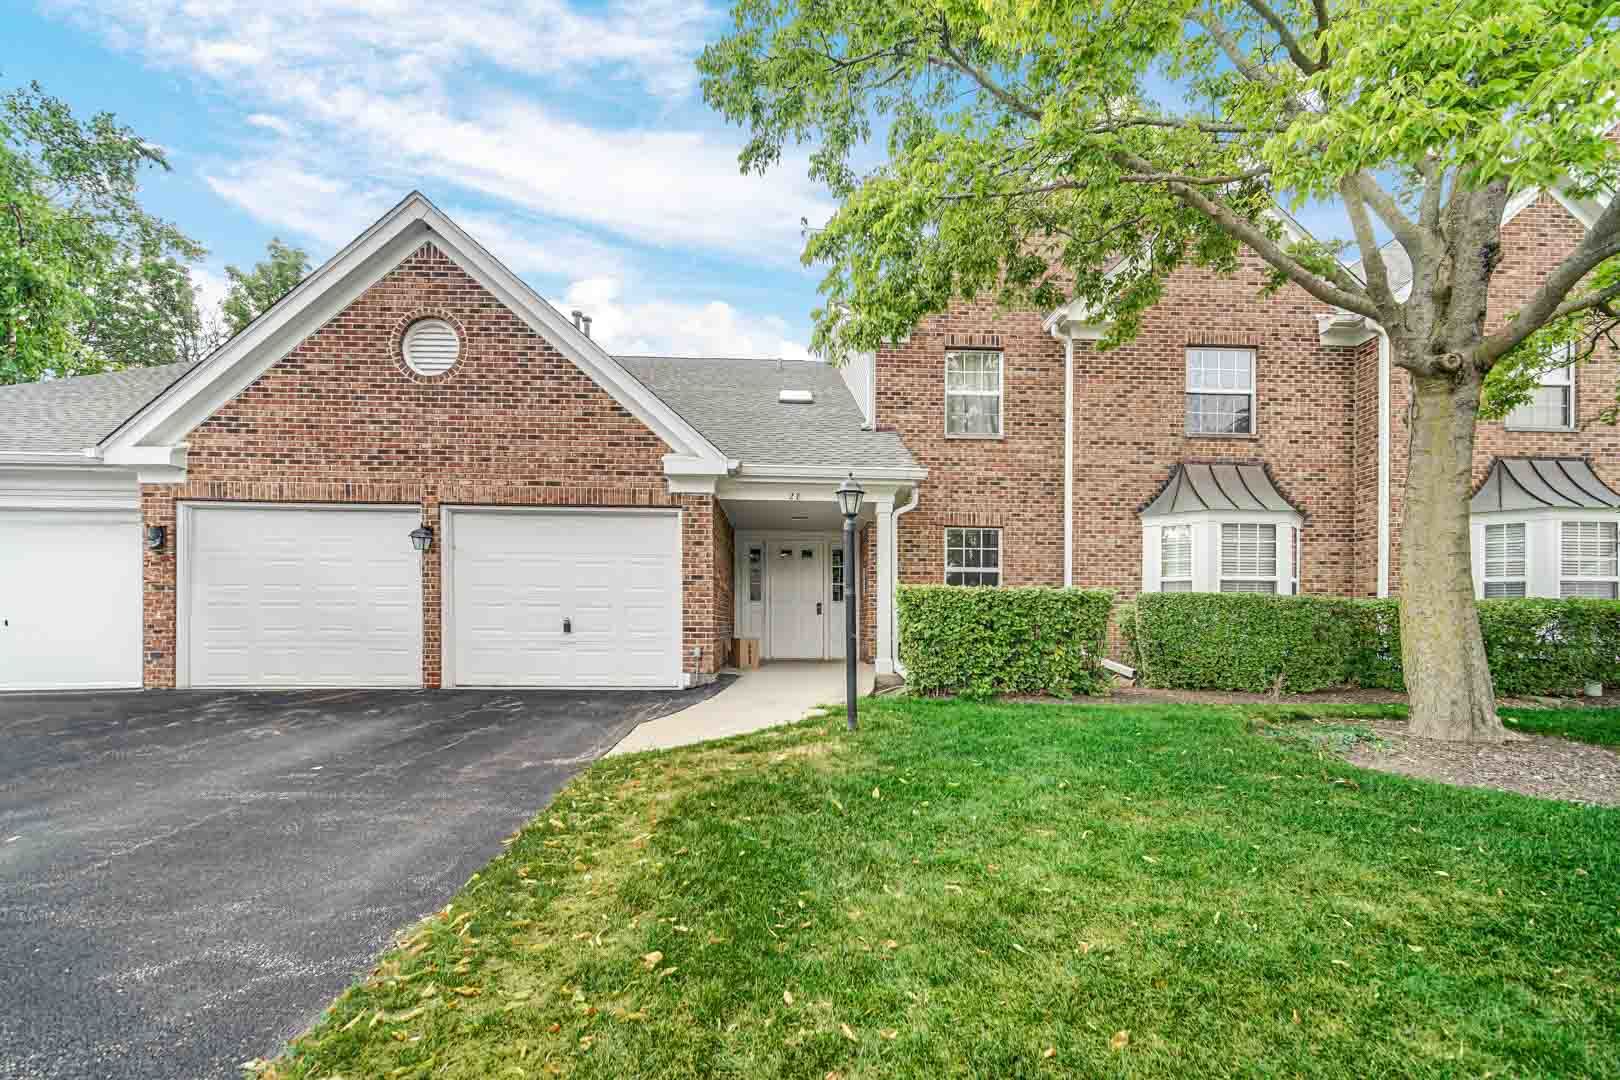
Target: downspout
point(1383, 458)
point(1068, 461)
point(894, 561)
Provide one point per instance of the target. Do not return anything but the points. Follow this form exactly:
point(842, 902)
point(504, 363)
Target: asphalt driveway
point(188, 877)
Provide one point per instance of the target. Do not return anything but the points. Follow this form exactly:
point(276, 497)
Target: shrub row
point(1215, 641)
point(985, 641)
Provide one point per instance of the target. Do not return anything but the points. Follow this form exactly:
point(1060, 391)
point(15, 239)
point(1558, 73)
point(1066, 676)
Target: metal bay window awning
point(1532, 483)
point(1214, 486)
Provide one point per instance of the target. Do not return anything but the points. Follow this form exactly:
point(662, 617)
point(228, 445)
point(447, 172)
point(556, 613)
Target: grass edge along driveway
point(1011, 890)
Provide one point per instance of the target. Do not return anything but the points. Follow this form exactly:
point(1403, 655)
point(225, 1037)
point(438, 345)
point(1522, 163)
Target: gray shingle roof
point(1538, 483)
point(1196, 486)
point(71, 414)
point(733, 404)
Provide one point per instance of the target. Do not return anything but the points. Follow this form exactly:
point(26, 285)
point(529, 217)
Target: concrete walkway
point(778, 692)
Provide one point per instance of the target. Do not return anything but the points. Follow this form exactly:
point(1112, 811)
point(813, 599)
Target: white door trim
point(447, 518)
point(185, 521)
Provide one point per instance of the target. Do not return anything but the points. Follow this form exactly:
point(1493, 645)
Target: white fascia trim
point(78, 459)
point(1227, 517)
point(235, 365)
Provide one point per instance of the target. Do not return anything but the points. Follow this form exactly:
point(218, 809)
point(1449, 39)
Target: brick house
point(413, 471)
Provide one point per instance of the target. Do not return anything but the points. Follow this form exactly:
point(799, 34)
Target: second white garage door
point(300, 596)
point(562, 598)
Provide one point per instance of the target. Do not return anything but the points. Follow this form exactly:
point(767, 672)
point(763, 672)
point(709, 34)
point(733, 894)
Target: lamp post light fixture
point(849, 503)
point(422, 538)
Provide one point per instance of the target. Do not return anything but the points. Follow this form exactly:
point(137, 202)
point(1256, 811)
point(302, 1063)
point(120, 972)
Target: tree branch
point(1322, 19)
point(1229, 45)
point(1285, 35)
point(1389, 211)
point(1340, 289)
point(1434, 184)
point(955, 59)
point(1170, 122)
point(1599, 300)
point(1601, 242)
point(1371, 258)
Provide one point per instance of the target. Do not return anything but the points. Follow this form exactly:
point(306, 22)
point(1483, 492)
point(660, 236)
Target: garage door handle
point(568, 626)
point(818, 609)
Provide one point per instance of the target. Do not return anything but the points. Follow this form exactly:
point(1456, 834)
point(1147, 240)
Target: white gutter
point(1383, 458)
point(894, 561)
point(1068, 462)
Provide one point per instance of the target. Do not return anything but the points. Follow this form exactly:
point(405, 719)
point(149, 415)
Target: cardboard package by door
point(745, 652)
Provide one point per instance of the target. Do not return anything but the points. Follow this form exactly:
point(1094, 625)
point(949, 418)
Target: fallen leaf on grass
point(847, 1033)
point(1051, 1052)
point(1120, 1041)
point(891, 944)
point(467, 991)
point(787, 996)
point(652, 959)
point(889, 1033)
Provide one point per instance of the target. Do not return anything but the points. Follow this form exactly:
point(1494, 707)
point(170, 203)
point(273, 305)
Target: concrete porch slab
point(778, 692)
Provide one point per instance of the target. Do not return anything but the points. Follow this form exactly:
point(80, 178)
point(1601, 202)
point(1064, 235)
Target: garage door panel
point(281, 596)
point(613, 576)
point(70, 599)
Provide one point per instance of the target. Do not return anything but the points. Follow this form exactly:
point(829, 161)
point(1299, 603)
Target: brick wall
point(1129, 431)
point(514, 422)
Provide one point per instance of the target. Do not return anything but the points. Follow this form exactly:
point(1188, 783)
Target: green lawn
point(1601, 726)
point(1009, 891)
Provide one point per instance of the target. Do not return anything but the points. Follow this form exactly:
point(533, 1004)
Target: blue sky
point(570, 139)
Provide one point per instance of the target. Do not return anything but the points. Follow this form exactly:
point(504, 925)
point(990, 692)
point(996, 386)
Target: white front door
point(288, 596)
point(798, 599)
point(70, 599)
point(563, 598)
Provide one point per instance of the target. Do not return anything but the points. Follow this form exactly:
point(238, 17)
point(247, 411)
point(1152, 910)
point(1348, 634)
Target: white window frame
point(1506, 576)
point(1000, 394)
point(1561, 377)
point(1543, 547)
point(1181, 534)
point(999, 568)
point(1206, 540)
point(1611, 579)
point(1189, 391)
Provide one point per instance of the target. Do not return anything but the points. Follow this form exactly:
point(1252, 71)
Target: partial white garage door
point(70, 599)
point(300, 596)
point(563, 598)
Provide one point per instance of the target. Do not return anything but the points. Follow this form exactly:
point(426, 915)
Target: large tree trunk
point(1442, 650)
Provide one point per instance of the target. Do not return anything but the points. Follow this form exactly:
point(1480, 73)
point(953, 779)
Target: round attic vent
point(431, 347)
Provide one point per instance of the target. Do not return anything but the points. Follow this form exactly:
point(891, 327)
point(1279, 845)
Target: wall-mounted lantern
point(156, 535)
point(422, 538)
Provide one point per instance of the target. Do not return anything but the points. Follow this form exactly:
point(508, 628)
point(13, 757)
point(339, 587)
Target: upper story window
point(1552, 406)
point(1220, 391)
point(973, 394)
point(973, 556)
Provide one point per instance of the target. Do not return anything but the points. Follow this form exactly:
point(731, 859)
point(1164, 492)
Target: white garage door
point(570, 598)
point(300, 596)
point(70, 599)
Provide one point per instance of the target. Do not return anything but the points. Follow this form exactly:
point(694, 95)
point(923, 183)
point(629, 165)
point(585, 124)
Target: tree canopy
point(88, 279)
point(252, 292)
point(1017, 148)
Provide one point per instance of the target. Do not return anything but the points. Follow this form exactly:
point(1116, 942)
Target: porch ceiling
point(767, 515)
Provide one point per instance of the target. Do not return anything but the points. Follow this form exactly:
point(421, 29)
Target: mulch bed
point(1539, 765)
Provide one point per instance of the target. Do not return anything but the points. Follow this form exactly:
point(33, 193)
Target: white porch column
point(887, 551)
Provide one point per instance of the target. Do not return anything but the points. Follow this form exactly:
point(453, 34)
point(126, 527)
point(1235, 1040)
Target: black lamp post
point(849, 503)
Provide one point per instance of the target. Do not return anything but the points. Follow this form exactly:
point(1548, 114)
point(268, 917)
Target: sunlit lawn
point(1005, 891)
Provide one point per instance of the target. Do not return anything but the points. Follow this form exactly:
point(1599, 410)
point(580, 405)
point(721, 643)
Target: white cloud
point(627, 324)
point(285, 195)
point(398, 95)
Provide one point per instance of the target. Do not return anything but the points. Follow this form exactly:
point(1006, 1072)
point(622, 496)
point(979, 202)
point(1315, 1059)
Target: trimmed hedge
point(1229, 641)
point(984, 641)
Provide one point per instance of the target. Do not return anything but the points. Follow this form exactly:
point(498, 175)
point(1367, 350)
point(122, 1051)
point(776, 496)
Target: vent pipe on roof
point(586, 319)
point(578, 315)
